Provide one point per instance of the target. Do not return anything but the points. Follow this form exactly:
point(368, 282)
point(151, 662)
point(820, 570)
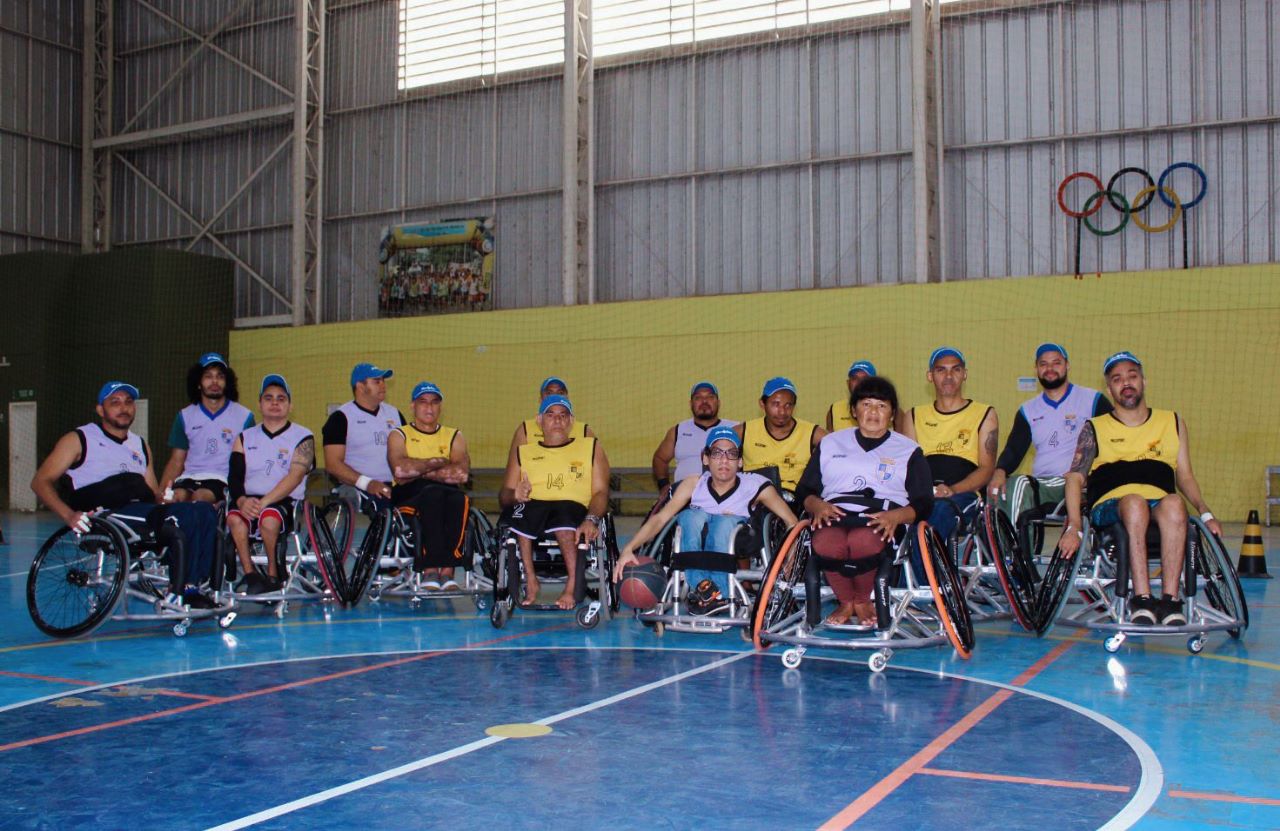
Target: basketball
point(642, 584)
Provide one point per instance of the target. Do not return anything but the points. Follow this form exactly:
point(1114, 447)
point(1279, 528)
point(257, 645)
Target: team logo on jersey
point(1071, 423)
point(282, 454)
point(137, 457)
point(963, 437)
point(1154, 450)
point(227, 435)
point(885, 469)
point(576, 470)
point(391, 424)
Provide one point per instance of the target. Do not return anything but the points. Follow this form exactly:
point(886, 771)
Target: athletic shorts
point(1105, 513)
point(216, 486)
point(282, 510)
point(536, 517)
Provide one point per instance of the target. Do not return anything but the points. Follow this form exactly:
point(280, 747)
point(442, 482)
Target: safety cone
point(1253, 560)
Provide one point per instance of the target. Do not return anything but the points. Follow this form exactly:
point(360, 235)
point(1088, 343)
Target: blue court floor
point(387, 717)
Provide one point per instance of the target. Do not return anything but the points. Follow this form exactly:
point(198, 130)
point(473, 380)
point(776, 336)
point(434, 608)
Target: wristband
point(362, 483)
point(595, 520)
point(1079, 533)
point(1206, 516)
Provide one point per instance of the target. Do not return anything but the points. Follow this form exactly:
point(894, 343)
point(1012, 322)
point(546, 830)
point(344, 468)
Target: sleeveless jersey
point(789, 455)
point(690, 441)
point(841, 417)
point(533, 433)
point(210, 437)
point(420, 445)
point(1139, 460)
point(559, 473)
point(1055, 426)
point(105, 456)
point(737, 502)
point(951, 436)
point(847, 468)
point(367, 439)
point(267, 458)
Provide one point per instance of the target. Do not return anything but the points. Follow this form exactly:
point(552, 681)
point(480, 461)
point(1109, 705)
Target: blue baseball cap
point(944, 351)
point(704, 385)
point(274, 380)
point(425, 388)
point(552, 379)
point(1120, 357)
point(863, 366)
point(1051, 347)
point(208, 359)
point(715, 434)
point(778, 385)
point(116, 386)
point(552, 401)
point(363, 372)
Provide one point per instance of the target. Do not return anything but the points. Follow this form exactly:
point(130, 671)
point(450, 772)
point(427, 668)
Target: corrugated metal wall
point(39, 125)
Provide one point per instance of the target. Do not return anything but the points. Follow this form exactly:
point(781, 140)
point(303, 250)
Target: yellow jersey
point(533, 433)
point(420, 445)
point(841, 416)
point(1141, 460)
point(559, 473)
point(949, 440)
point(789, 455)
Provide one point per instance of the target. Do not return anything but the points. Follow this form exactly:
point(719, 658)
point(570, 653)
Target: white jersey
point(267, 458)
point(1055, 425)
point(691, 439)
point(210, 438)
point(738, 501)
point(105, 456)
point(367, 439)
point(848, 469)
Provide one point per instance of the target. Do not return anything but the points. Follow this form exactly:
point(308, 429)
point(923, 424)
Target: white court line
point(22, 573)
point(420, 764)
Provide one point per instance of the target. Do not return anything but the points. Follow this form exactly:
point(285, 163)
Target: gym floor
point(383, 716)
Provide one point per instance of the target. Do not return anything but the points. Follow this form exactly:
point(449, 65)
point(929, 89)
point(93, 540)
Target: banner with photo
point(436, 268)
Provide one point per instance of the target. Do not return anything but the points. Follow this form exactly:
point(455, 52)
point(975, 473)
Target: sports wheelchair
point(750, 553)
point(595, 597)
point(307, 561)
point(77, 581)
point(382, 565)
point(788, 608)
point(1090, 590)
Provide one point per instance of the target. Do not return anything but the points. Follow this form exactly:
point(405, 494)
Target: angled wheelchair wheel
point(1218, 578)
point(76, 580)
point(365, 563)
point(320, 539)
point(1055, 588)
point(776, 600)
point(948, 593)
point(1009, 557)
point(339, 514)
point(612, 603)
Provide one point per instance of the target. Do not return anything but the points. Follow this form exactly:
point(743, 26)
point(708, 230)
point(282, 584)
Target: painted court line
point(462, 750)
point(1224, 797)
point(1023, 780)
point(77, 683)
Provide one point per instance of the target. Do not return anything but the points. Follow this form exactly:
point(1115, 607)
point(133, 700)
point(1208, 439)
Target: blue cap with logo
point(724, 433)
point(552, 379)
point(275, 380)
point(777, 385)
point(1051, 347)
point(1120, 357)
point(862, 366)
point(946, 351)
point(426, 388)
point(116, 386)
point(552, 401)
point(208, 359)
point(704, 385)
point(363, 372)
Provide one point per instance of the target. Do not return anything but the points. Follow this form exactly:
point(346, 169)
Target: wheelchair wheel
point(612, 603)
point(776, 600)
point(948, 592)
point(320, 539)
point(339, 514)
point(367, 558)
point(1059, 578)
point(76, 580)
point(1010, 559)
point(1219, 579)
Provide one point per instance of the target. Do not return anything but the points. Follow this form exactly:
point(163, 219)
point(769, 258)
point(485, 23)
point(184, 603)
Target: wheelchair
point(595, 597)
point(1090, 590)
point(984, 581)
point(306, 557)
point(382, 565)
point(79, 581)
point(744, 565)
point(909, 615)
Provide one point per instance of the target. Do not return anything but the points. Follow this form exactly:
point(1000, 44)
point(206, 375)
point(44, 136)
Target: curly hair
point(196, 372)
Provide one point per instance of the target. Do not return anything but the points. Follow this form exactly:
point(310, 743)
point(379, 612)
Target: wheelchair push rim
point(1220, 582)
point(1008, 555)
point(55, 566)
point(1059, 579)
point(948, 593)
point(788, 558)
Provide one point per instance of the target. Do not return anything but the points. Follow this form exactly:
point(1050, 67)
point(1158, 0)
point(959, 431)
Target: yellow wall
point(1209, 338)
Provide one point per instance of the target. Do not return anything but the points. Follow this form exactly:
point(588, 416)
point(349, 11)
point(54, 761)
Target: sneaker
point(450, 586)
point(1142, 609)
point(195, 599)
point(1170, 611)
point(706, 598)
point(246, 583)
point(431, 584)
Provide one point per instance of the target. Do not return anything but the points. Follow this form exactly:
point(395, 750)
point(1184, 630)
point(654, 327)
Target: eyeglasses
point(732, 454)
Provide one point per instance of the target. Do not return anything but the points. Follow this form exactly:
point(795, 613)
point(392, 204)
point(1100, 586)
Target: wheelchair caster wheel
point(498, 615)
point(878, 660)
point(745, 633)
point(482, 603)
point(226, 620)
point(1195, 645)
point(415, 602)
point(792, 658)
point(588, 617)
point(1112, 644)
point(180, 629)
point(374, 595)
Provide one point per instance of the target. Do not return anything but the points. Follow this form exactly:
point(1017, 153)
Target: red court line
point(96, 728)
point(852, 812)
point(1224, 797)
point(51, 678)
point(1023, 780)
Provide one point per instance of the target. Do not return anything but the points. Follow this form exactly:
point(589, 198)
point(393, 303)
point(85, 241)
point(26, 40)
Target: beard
point(1054, 384)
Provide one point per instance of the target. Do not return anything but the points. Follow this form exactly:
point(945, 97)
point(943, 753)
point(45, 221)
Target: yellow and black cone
point(1253, 560)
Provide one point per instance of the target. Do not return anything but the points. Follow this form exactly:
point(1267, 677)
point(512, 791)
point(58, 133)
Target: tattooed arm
point(303, 460)
point(1086, 452)
point(988, 442)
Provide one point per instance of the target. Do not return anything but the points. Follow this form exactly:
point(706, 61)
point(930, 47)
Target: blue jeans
point(944, 519)
point(701, 531)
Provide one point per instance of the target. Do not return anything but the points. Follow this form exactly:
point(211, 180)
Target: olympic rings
point(1138, 204)
point(1149, 192)
point(1141, 201)
point(1112, 196)
point(1062, 190)
point(1194, 168)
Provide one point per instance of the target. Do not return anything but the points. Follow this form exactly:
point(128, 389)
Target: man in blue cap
point(1050, 422)
point(109, 467)
point(839, 414)
point(685, 441)
point(355, 436)
point(1134, 461)
point(778, 440)
point(529, 429)
point(204, 431)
